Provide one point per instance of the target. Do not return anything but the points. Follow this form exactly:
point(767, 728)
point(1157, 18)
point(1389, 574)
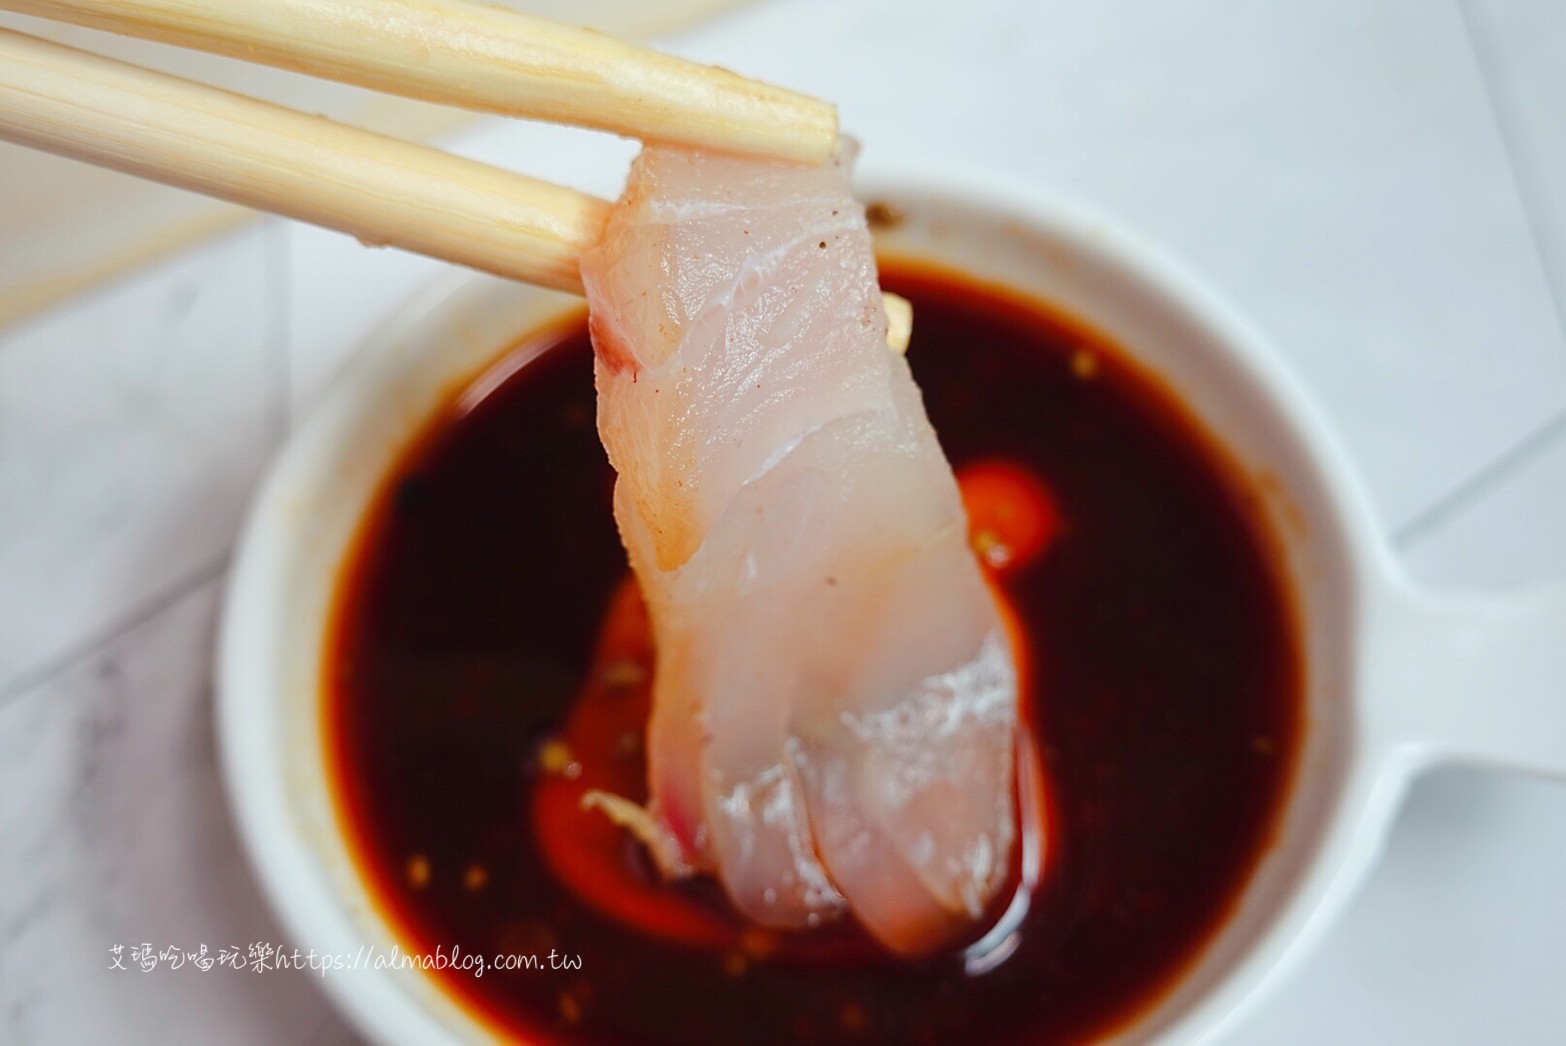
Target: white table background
point(1381, 186)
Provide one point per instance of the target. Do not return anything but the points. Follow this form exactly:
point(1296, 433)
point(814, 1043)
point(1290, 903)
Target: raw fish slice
point(834, 704)
point(731, 352)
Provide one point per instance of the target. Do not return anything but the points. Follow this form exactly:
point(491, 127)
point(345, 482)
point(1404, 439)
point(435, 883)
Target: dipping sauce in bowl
point(488, 663)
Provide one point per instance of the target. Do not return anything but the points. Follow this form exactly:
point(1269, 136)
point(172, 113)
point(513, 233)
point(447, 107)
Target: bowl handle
point(1479, 679)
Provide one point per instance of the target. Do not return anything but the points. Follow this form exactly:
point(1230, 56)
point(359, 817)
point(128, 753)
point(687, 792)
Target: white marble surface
point(116, 833)
point(133, 427)
point(1518, 43)
point(1383, 187)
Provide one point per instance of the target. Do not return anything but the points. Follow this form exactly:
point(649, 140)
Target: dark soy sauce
point(1166, 700)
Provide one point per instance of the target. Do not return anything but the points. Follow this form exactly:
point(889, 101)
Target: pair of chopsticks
point(380, 189)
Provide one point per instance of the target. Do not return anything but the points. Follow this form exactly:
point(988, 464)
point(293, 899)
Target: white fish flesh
point(835, 704)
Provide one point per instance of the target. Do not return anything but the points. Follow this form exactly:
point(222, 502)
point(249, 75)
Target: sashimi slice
point(834, 705)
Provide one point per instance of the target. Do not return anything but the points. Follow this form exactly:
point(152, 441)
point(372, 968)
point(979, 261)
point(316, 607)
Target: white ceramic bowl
point(1395, 679)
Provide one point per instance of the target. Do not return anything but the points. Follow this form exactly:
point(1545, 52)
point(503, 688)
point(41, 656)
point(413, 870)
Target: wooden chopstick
point(384, 191)
point(482, 57)
point(379, 189)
